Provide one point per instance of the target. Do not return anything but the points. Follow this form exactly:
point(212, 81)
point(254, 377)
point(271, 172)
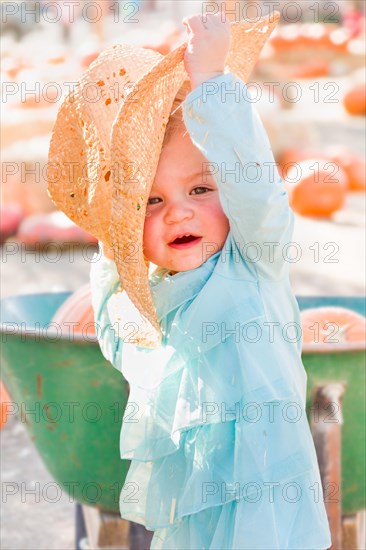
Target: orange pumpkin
point(87, 59)
point(162, 47)
point(4, 403)
point(285, 37)
point(311, 69)
point(355, 168)
point(353, 165)
point(292, 34)
point(13, 65)
point(315, 189)
point(76, 314)
point(56, 60)
point(332, 325)
point(315, 35)
point(10, 217)
point(294, 155)
point(339, 39)
point(278, 42)
point(56, 227)
point(355, 100)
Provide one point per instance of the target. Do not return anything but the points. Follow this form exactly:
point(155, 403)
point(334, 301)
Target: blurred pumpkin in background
point(352, 164)
point(355, 168)
point(310, 35)
point(57, 60)
point(311, 69)
point(354, 100)
point(339, 39)
point(315, 188)
point(5, 401)
point(88, 59)
point(11, 216)
point(315, 35)
point(332, 325)
point(14, 65)
point(293, 155)
point(55, 227)
point(76, 315)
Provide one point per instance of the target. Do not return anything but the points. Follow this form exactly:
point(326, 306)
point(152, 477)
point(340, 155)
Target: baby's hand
point(208, 47)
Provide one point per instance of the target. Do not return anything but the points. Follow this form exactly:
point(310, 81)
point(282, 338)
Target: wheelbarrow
point(335, 407)
point(79, 401)
point(72, 402)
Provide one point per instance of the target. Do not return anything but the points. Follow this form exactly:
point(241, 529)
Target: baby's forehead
point(180, 161)
point(198, 173)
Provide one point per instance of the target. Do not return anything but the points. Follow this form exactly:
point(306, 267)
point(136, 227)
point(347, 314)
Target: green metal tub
point(76, 396)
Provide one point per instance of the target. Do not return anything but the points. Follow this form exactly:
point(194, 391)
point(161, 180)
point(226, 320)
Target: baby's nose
point(178, 211)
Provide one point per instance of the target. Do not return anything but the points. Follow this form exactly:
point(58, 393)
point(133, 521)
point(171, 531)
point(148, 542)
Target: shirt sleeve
point(104, 282)
point(225, 126)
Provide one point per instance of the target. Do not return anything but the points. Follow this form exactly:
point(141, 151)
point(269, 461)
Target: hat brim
point(137, 137)
point(79, 163)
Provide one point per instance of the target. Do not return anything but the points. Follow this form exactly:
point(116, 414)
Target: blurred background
point(309, 88)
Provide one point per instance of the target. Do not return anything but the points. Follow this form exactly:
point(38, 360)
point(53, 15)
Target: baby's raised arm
point(224, 125)
point(208, 45)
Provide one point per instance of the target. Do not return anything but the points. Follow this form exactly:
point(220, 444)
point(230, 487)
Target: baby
point(187, 207)
point(204, 472)
point(179, 204)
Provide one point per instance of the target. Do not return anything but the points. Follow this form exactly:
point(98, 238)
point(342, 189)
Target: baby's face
point(183, 201)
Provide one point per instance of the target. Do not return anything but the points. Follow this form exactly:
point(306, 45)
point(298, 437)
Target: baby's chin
point(184, 265)
point(177, 267)
point(187, 262)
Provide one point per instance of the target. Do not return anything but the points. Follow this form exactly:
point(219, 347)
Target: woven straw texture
point(116, 150)
point(79, 173)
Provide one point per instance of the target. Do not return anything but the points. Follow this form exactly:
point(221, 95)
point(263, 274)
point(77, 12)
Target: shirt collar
point(171, 291)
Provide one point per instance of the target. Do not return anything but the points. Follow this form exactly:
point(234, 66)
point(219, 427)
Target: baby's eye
point(150, 201)
point(200, 191)
point(199, 188)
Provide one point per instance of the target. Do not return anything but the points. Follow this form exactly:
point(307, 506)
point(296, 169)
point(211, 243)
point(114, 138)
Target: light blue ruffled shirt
point(221, 451)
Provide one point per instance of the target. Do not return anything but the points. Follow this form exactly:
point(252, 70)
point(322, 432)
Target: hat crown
point(80, 179)
point(115, 145)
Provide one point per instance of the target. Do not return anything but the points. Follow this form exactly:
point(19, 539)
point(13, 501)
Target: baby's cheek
point(147, 231)
point(221, 224)
point(219, 213)
point(150, 232)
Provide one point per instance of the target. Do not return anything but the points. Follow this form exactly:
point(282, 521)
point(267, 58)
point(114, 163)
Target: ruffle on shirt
point(192, 455)
point(180, 476)
point(210, 425)
point(237, 526)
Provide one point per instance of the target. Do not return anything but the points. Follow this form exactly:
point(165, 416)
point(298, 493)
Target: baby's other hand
point(208, 45)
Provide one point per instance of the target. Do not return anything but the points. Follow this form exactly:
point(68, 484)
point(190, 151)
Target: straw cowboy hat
point(106, 144)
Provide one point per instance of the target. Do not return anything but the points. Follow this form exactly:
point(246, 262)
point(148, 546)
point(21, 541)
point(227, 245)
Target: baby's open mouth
point(185, 240)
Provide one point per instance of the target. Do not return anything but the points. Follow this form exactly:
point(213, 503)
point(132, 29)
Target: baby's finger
point(188, 29)
point(216, 20)
point(187, 25)
point(195, 23)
